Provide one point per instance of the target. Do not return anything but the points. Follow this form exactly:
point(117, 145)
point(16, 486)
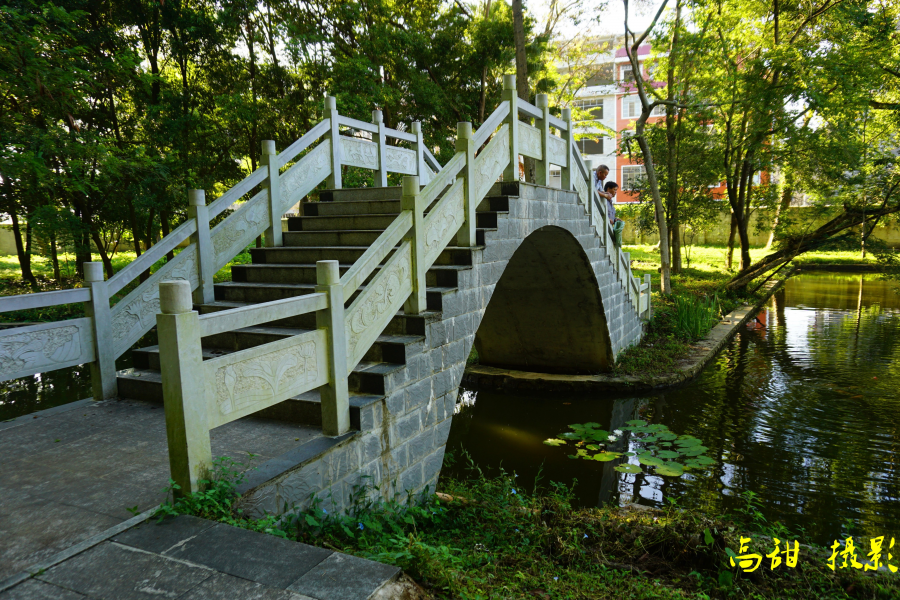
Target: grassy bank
point(493, 538)
point(668, 339)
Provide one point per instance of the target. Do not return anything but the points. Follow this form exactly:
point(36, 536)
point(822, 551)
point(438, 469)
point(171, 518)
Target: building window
point(658, 111)
point(633, 177)
point(590, 145)
point(592, 105)
point(603, 76)
point(631, 107)
point(627, 73)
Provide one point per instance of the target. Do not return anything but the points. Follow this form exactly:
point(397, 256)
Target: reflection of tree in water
point(623, 410)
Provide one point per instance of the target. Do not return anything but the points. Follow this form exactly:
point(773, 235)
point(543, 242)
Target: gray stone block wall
point(401, 445)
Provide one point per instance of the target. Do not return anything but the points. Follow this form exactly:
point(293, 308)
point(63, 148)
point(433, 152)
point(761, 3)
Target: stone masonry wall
point(400, 447)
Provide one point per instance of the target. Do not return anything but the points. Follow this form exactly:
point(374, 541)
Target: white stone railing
point(106, 332)
point(200, 395)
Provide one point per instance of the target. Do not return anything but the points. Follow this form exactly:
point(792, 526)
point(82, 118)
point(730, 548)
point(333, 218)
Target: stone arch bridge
point(359, 317)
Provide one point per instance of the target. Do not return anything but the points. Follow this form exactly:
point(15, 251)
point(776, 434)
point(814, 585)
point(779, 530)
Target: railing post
point(542, 177)
point(205, 258)
point(335, 396)
point(410, 201)
point(465, 142)
point(567, 170)
point(184, 388)
point(268, 159)
point(421, 168)
point(649, 297)
point(380, 139)
point(511, 173)
point(591, 210)
point(334, 180)
point(103, 369)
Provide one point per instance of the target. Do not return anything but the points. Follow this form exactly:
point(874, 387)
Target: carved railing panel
point(134, 315)
point(240, 228)
point(250, 380)
point(373, 308)
point(37, 348)
point(305, 175)
point(443, 222)
point(556, 148)
point(489, 164)
point(401, 160)
point(530, 141)
point(359, 153)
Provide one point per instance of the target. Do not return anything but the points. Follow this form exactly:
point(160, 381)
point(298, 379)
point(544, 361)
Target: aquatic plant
point(654, 445)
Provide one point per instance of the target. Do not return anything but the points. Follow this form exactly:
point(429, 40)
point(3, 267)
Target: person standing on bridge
point(610, 188)
point(600, 175)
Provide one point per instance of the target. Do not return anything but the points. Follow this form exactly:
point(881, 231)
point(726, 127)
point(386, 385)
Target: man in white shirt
point(600, 176)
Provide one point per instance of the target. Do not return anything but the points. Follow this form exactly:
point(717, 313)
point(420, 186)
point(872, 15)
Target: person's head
point(602, 172)
point(611, 187)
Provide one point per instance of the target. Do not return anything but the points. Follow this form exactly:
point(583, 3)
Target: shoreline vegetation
point(492, 537)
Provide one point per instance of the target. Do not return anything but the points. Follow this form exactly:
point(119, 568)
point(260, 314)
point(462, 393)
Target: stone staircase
point(339, 227)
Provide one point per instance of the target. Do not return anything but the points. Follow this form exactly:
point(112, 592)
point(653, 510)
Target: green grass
point(11, 282)
point(494, 538)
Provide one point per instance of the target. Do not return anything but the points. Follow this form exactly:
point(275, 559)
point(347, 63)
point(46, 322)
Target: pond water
point(801, 408)
point(26, 395)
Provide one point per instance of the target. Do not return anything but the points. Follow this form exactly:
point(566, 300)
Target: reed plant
point(694, 316)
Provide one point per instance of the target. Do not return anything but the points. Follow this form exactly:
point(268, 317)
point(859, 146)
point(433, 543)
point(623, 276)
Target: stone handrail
point(203, 394)
point(108, 331)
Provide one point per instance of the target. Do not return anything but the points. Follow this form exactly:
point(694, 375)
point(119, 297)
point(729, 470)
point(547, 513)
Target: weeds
point(489, 537)
point(695, 317)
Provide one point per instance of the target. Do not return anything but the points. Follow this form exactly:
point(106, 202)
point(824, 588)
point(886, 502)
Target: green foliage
point(216, 499)
point(694, 317)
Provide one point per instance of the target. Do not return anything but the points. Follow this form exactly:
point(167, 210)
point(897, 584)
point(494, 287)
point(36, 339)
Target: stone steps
point(367, 222)
point(436, 276)
point(347, 237)
point(344, 254)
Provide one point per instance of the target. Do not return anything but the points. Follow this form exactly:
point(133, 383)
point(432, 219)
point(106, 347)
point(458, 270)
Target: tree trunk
point(522, 88)
point(104, 257)
point(729, 255)
point(665, 265)
point(671, 148)
point(164, 220)
point(22, 253)
point(787, 192)
point(675, 227)
point(54, 257)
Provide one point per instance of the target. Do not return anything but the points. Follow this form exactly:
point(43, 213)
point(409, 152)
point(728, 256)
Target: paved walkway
point(72, 478)
point(187, 558)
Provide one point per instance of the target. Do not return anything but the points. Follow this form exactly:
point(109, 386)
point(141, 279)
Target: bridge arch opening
point(546, 314)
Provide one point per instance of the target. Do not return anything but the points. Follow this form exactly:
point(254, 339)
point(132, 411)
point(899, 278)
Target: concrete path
point(187, 558)
point(70, 473)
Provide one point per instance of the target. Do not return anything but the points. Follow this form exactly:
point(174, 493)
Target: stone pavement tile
point(39, 590)
point(159, 536)
point(226, 587)
point(344, 577)
point(259, 557)
point(112, 572)
point(33, 529)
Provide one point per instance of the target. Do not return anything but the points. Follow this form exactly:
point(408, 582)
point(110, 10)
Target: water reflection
point(801, 408)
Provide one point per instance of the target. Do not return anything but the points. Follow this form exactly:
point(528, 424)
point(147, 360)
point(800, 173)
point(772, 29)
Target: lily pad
point(606, 456)
point(628, 468)
point(688, 441)
point(650, 461)
point(636, 423)
point(666, 435)
point(668, 454)
point(670, 469)
point(630, 454)
point(704, 461)
point(554, 442)
point(694, 450)
point(649, 438)
point(570, 436)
